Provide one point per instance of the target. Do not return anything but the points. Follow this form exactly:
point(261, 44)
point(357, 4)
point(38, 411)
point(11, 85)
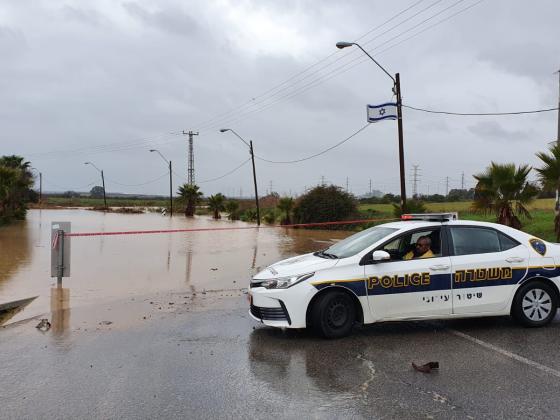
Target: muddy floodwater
point(109, 268)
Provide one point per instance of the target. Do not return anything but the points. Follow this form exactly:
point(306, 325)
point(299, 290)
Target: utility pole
point(322, 180)
point(401, 140)
point(370, 187)
point(270, 186)
point(462, 180)
point(346, 184)
point(170, 191)
point(190, 162)
point(557, 204)
point(255, 181)
point(446, 186)
point(415, 180)
point(40, 188)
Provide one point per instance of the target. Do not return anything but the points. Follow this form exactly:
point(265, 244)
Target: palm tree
point(549, 176)
point(504, 190)
point(286, 204)
point(216, 204)
point(16, 181)
point(190, 194)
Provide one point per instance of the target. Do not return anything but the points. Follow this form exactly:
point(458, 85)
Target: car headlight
point(285, 282)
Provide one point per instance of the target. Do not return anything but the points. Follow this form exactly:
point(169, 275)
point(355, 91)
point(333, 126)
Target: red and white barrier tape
point(146, 232)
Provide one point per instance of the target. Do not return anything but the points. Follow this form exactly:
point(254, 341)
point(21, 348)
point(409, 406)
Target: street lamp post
point(250, 145)
point(102, 181)
point(397, 91)
point(170, 181)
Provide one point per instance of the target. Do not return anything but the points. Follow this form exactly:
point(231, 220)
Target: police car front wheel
point(535, 304)
point(333, 314)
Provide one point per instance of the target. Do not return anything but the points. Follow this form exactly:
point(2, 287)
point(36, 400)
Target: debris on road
point(426, 368)
point(44, 325)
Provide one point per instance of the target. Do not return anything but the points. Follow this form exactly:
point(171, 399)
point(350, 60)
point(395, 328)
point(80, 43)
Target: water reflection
point(276, 357)
point(60, 311)
point(15, 249)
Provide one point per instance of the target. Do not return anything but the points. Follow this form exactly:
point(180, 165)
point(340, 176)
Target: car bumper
point(284, 308)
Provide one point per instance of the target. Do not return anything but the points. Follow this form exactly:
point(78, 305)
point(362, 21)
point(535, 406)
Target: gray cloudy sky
point(107, 80)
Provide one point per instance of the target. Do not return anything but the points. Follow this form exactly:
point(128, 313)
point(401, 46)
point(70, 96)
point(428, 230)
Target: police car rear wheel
point(535, 304)
point(333, 314)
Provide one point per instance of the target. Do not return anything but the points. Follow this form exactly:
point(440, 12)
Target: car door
point(486, 266)
point(400, 289)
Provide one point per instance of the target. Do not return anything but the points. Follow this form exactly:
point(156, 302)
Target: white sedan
point(429, 266)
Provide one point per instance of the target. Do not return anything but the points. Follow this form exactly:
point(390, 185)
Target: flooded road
point(115, 267)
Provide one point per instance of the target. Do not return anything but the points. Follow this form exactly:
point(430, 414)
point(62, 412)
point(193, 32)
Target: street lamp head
point(342, 44)
point(87, 163)
point(223, 130)
point(153, 150)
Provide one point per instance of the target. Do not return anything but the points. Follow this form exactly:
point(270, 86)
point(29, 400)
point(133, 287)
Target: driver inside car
point(421, 250)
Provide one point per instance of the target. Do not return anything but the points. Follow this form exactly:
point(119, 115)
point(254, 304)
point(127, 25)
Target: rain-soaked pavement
point(203, 357)
point(172, 339)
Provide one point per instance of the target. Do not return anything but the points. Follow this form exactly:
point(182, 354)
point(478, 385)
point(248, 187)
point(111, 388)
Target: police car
point(471, 269)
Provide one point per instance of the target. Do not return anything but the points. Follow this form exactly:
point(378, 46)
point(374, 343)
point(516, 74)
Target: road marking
point(506, 353)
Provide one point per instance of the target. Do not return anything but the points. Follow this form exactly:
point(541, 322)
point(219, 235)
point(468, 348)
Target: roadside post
point(60, 251)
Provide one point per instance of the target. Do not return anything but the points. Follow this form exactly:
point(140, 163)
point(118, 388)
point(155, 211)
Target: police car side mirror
point(375, 257)
point(380, 256)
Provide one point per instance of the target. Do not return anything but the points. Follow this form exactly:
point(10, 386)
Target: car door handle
point(515, 259)
point(439, 267)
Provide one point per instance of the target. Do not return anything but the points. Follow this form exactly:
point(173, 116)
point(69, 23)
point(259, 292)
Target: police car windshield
point(358, 242)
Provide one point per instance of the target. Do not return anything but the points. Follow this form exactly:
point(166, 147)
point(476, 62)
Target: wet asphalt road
point(218, 363)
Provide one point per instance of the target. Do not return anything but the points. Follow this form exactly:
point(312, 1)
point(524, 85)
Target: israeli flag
point(386, 111)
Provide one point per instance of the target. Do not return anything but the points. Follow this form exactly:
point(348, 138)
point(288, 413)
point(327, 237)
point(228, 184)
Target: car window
point(474, 240)
point(506, 242)
point(403, 247)
point(360, 241)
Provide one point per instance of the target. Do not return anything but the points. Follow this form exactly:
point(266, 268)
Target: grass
point(541, 223)
point(98, 202)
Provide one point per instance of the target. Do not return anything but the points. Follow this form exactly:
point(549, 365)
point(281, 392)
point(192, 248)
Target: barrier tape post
point(60, 262)
point(60, 251)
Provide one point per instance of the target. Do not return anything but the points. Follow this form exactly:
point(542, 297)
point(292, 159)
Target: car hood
point(301, 264)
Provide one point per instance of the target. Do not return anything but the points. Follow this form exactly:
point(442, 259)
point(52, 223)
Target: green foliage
point(96, 192)
point(503, 190)
point(286, 205)
point(16, 181)
point(249, 215)
point(232, 208)
point(412, 206)
point(270, 216)
point(549, 177)
point(324, 204)
point(216, 204)
point(189, 195)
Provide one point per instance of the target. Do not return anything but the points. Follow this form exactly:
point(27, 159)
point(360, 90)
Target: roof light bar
point(432, 217)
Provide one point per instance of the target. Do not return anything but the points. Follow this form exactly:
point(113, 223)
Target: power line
point(251, 102)
point(226, 174)
point(480, 114)
point(320, 153)
point(141, 184)
point(322, 78)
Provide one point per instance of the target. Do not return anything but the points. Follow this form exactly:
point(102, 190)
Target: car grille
point(271, 314)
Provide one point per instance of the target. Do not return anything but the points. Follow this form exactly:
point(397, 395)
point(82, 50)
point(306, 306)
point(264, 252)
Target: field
point(50, 201)
point(541, 223)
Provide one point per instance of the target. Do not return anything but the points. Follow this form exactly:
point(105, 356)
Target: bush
point(249, 215)
point(412, 206)
point(324, 204)
point(270, 216)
